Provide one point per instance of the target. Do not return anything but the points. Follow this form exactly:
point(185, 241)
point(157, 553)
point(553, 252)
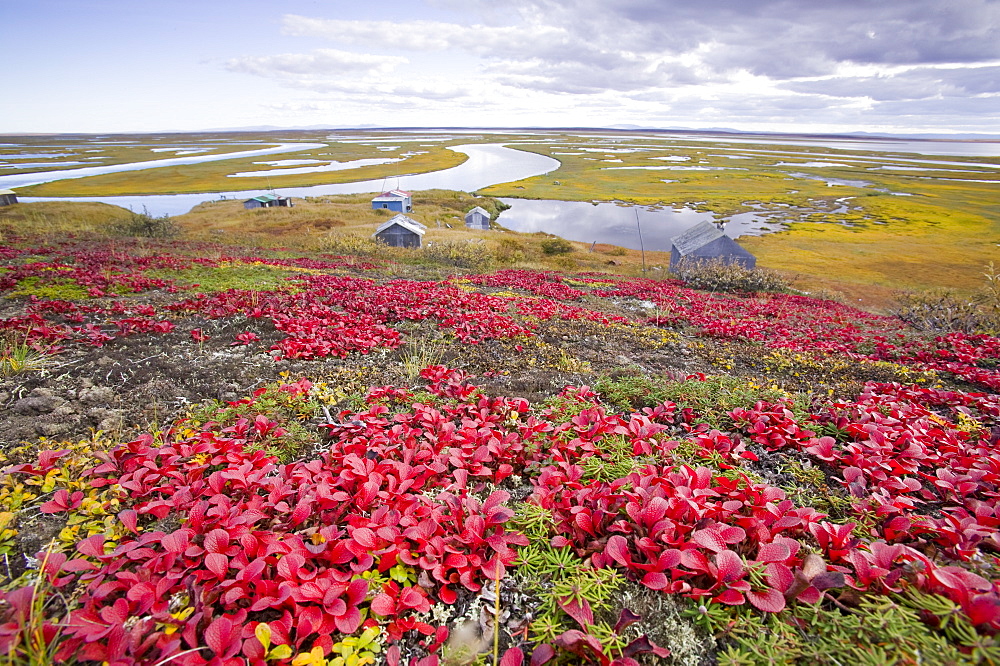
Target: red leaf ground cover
point(219, 536)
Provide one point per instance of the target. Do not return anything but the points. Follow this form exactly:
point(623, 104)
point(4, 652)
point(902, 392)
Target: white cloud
point(319, 63)
point(427, 35)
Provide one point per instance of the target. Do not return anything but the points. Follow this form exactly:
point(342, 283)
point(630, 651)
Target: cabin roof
point(393, 194)
point(697, 236)
point(405, 222)
point(264, 198)
point(478, 209)
point(8, 192)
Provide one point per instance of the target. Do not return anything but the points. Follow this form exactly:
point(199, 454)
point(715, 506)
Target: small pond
point(617, 225)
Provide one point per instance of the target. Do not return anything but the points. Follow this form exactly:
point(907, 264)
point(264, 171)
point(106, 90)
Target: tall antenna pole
point(641, 247)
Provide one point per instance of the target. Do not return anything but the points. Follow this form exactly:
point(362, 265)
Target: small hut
point(7, 197)
point(400, 231)
point(477, 218)
point(706, 242)
point(268, 201)
point(397, 200)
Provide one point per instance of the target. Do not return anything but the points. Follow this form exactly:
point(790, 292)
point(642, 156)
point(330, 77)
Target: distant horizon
point(855, 134)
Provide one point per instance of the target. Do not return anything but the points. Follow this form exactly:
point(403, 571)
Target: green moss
point(710, 398)
point(879, 631)
point(57, 289)
point(257, 277)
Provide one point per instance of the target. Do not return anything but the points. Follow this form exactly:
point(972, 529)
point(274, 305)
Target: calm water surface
point(617, 225)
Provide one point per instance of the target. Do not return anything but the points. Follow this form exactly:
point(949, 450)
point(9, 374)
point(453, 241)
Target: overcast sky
point(777, 65)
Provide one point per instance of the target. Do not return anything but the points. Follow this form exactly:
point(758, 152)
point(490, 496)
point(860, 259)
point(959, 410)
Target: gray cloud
point(830, 61)
point(782, 38)
point(908, 85)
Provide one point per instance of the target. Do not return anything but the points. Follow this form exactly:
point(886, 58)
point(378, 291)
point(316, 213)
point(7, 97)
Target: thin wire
point(641, 248)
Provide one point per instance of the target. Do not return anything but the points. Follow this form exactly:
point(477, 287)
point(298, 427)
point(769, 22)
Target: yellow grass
point(56, 217)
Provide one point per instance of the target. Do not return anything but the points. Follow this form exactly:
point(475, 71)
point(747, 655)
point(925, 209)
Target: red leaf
point(644, 645)
point(447, 595)
point(129, 518)
point(773, 552)
point(710, 539)
point(542, 654)
point(411, 598)
point(220, 637)
point(300, 513)
point(984, 609)
point(731, 598)
point(365, 538)
point(290, 565)
point(216, 541)
point(578, 609)
point(584, 522)
point(625, 619)
point(769, 601)
point(512, 657)
point(655, 580)
point(217, 564)
point(349, 622)
point(383, 605)
point(617, 549)
point(92, 546)
point(654, 511)
point(730, 566)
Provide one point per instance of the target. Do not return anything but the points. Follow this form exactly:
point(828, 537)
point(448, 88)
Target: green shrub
point(718, 275)
point(556, 246)
point(350, 245)
point(945, 310)
point(460, 254)
point(144, 225)
point(509, 251)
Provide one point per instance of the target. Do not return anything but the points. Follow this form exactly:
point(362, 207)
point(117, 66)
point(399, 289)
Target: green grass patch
point(256, 277)
point(56, 290)
point(710, 398)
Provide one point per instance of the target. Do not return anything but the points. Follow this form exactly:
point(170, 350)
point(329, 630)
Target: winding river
point(488, 164)
point(24, 180)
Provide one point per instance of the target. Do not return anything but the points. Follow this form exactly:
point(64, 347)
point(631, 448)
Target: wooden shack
point(397, 200)
point(268, 201)
point(477, 218)
point(400, 231)
point(7, 197)
point(706, 242)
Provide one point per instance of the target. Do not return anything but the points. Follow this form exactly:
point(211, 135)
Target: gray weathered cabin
point(477, 218)
point(7, 197)
point(706, 242)
point(400, 231)
point(268, 201)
